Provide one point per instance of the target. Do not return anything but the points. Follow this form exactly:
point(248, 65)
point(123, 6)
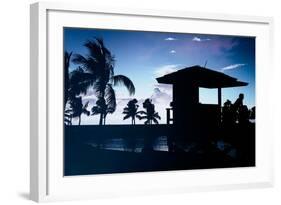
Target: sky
point(143, 56)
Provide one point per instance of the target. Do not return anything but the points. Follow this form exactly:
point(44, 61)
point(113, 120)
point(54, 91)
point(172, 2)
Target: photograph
point(146, 101)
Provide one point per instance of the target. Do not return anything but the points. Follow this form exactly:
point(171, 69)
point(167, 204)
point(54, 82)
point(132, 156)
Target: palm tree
point(67, 114)
point(104, 107)
point(78, 108)
point(79, 81)
point(150, 115)
point(99, 68)
point(72, 89)
point(67, 57)
point(131, 111)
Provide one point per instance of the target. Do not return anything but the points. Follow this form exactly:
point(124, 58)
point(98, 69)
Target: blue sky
point(142, 56)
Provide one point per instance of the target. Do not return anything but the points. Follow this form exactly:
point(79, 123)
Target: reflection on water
point(226, 147)
point(159, 144)
point(135, 145)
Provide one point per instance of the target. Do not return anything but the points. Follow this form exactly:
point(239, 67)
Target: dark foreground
point(87, 151)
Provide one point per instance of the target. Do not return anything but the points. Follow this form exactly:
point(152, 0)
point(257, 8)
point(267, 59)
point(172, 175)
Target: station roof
point(201, 77)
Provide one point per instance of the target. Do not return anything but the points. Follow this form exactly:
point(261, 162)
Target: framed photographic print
point(127, 102)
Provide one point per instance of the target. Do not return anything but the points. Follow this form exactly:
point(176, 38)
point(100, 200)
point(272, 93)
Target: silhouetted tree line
point(95, 72)
point(150, 115)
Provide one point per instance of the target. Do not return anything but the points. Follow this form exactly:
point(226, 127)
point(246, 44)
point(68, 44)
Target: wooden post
point(219, 103)
point(219, 97)
point(168, 115)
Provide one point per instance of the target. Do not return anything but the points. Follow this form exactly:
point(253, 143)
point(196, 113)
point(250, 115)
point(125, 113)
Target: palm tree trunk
point(67, 57)
point(79, 121)
point(101, 118)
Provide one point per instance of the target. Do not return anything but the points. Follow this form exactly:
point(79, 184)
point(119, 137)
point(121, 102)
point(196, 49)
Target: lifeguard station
point(187, 114)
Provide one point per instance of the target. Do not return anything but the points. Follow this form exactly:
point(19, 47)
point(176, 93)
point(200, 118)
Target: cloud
point(159, 96)
point(172, 51)
point(161, 99)
point(167, 88)
point(197, 39)
point(170, 39)
point(166, 69)
point(233, 66)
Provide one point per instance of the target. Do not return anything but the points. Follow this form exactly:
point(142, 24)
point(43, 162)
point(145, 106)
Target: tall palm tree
point(78, 108)
point(67, 115)
point(79, 82)
point(67, 57)
point(150, 115)
point(131, 111)
point(99, 67)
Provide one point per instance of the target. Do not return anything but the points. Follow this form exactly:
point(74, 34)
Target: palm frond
point(95, 51)
point(126, 109)
point(67, 115)
point(67, 111)
point(110, 97)
point(110, 110)
point(79, 59)
point(99, 41)
point(146, 122)
point(99, 88)
point(139, 117)
point(89, 63)
point(96, 110)
point(110, 66)
point(156, 115)
point(84, 109)
point(80, 81)
point(86, 105)
point(67, 121)
point(86, 112)
point(67, 55)
point(123, 80)
point(142, 112)
point(126, 117)
point(155, 121)
point(105, 51)
point(125, 112)
point(104, 60)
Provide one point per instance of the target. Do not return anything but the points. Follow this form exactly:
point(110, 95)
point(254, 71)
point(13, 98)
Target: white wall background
point(14, 102)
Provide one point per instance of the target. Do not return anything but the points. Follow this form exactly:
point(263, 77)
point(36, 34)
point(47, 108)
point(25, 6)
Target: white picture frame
point(47, 182)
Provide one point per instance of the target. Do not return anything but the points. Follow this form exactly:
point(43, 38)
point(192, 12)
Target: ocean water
point(120, 144)
point(159, 144)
